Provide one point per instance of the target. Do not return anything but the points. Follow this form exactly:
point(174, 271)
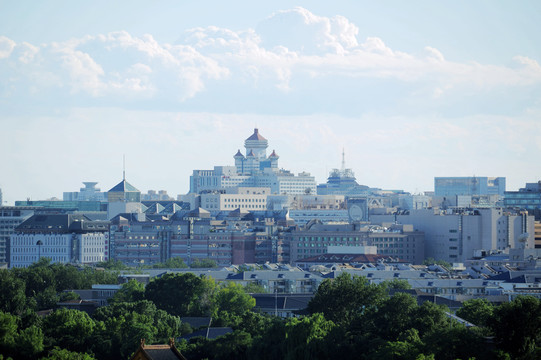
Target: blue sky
point(411, 90)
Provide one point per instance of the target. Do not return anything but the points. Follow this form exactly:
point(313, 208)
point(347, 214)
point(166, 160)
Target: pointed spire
point(124, 167)
point(343, 160)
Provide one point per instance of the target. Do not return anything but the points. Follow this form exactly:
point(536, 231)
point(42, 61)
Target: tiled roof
point(273, 154)
point(256, 136)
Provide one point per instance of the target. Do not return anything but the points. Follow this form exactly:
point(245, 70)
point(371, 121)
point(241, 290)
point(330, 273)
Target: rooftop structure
point(253, 169)
point(475, 185)
point(342, 182)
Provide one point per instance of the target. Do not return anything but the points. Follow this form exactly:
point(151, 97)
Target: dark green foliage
point(517, 327)
point(125, 324)
point(182, 294)
point(343, 298)
point(476, 311)
point(12, 296)
point(131, 291)
point(63, 354)
point(171, 263)
point(112, 265)
point(203, 263)
point(69, 329)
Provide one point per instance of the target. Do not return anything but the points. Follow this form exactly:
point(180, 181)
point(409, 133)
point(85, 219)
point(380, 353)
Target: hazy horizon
point(411, 91)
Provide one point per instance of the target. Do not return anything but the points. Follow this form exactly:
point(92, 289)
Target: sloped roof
point(124, 186)
point(273, 154)
point(212, 333)
point(346, 258)
point(238, 154)
point(256, 136)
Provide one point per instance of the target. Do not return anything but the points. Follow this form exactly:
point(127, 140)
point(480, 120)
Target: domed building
point(255, 169)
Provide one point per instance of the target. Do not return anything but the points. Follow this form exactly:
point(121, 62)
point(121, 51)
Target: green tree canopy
point(343, 298)
point(131, 291)
point(203, 263)
point(182, 294)
point(476, 311)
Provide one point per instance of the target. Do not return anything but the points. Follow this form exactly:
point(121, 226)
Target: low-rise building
point(63, 238)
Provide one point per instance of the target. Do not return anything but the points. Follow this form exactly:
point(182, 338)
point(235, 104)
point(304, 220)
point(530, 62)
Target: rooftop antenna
point(343, 160)
point(124, 167)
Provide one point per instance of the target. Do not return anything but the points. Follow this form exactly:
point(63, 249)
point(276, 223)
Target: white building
point(251, 199)
point(255, 169)
point(62, 238)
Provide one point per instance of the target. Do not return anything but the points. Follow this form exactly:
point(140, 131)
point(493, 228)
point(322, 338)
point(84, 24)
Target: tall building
point(63, 238)
point(253, 169)
point(10, 218)
point(453, 186)
point(123, 198)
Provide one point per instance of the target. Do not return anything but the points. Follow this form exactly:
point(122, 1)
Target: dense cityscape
point(267, 180)
point(274, 239)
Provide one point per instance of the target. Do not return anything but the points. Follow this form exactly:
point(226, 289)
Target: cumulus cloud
point(293, 55)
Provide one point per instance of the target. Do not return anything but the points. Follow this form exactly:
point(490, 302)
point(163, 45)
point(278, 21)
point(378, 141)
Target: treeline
point(348, 318)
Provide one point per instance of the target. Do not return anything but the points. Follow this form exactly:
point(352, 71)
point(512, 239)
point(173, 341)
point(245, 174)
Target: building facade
point(10, 218)
point(63, 238)
point(454, 235)
point(401, 242)
point(253, 169)
point(527, 198)
point(452, 186)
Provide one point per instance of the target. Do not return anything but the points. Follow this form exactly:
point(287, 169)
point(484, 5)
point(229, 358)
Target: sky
point(409, 90)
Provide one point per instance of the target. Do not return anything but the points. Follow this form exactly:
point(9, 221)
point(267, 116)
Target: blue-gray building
point(528, 198)
point(475, 185)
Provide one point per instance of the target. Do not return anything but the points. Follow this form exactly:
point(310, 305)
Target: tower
point(256, 144)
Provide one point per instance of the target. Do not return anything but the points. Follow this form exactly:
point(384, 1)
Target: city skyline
point(410, 91)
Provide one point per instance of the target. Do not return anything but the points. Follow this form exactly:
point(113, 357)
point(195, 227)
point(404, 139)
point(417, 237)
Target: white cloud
point(6, 47)
point(293, 54)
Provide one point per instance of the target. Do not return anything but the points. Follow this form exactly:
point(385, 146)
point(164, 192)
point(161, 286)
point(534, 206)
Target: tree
point(394, 316)
point(398, 284)
point(131, 291)
point(305, 337)
point(8, 332)
point(517, 327)
point(254, 288)
point(203, 263)
point(12, 296)
point(182, 294)
point(69, 329)
point(171, 263)
point(345, 297)
point(112, 265)
point(233, 299)
point(476, 311)
point(29, 343)
point(63, 354)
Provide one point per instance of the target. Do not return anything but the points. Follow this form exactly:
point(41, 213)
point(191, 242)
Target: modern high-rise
point(253, 169)
point(475, 185)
